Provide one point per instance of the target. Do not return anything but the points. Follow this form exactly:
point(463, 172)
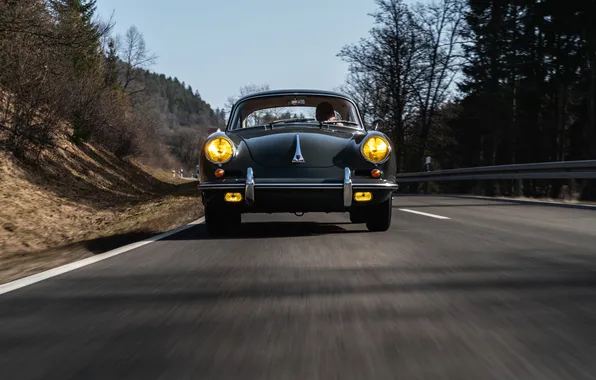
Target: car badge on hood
point(298, 158)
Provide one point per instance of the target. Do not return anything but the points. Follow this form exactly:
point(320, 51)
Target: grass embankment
point(78, 201)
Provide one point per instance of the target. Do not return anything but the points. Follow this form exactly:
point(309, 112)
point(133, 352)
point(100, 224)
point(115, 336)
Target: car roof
point(285, 92)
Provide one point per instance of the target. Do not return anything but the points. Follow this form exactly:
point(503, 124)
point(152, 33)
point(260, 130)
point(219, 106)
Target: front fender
point(350, 157)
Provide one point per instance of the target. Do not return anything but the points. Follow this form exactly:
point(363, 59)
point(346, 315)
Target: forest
point(65, 73)
point(481, 82)
point(467, 82)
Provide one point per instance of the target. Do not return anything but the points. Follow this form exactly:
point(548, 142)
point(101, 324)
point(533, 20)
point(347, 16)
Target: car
point(279, 153)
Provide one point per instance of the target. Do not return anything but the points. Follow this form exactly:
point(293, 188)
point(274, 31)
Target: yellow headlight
point(375, 149)
point(219, 150)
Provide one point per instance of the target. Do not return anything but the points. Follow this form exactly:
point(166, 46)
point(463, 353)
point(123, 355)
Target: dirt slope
point(80, 200)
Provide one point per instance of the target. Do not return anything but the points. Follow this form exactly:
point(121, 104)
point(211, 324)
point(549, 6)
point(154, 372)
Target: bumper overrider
point(347, 186)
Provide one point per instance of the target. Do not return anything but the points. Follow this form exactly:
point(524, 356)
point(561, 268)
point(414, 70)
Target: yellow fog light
point(362, 197)
point(376, 149)
point(233, 197)
point(219, 150)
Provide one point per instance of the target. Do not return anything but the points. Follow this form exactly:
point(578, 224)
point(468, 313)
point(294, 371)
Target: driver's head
point(325, 111)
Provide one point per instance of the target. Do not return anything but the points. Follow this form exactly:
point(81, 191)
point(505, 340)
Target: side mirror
point(377, 123)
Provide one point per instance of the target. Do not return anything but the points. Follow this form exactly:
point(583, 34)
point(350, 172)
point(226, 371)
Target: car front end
point(297, 168)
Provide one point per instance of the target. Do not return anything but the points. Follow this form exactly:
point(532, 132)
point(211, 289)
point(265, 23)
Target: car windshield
point(281, 109)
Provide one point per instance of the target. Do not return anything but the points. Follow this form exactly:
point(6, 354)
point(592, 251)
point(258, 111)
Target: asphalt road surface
point(496, 291)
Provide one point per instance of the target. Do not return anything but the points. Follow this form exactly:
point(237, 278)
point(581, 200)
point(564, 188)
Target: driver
point(325, 112)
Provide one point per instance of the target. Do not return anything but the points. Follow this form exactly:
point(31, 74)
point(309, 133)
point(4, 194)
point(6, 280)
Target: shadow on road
point(263, 230)
point(232, 282)
point(186, 310)
point(247, 230)
point(104, 244)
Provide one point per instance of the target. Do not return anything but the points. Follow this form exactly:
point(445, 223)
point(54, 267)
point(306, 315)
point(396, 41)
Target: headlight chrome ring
point(381, 142)
point(219, 149)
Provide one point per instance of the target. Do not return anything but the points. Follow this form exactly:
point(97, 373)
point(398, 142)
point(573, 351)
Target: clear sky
point(217, 46)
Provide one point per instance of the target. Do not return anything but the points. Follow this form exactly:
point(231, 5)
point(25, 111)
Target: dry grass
point(59, 209)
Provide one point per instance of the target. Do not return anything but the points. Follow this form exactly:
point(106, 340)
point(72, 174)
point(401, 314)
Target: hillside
point(80, 200)
point(184, 117)
point(183, 106)
point(88, 137)
point(61, 64)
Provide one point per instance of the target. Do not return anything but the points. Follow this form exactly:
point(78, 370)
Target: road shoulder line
point(29, 280)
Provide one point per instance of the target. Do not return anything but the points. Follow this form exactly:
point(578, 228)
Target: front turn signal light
point(219, 150)
point(233, 197)
point(362, 196)
point(375, 149)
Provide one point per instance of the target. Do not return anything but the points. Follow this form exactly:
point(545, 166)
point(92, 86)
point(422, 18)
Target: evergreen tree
point(75, 24)
point(111, 73)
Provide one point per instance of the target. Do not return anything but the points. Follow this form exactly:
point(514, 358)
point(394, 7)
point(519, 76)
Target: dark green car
point(296, 151)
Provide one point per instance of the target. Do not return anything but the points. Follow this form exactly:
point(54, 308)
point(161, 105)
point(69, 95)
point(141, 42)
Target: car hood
point(320, 146)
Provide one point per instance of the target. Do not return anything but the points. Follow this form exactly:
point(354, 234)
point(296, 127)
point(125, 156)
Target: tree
point(50, 68)
point(441, 25)
point(81, 32)
point(243, 91)
point(525, 72)
point(391, 58)
point(53, 72)
point(135, 55)
point(405, 70)
point(111, 64)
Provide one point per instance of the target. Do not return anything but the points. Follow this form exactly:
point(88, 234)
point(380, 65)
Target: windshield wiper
point(340, 121)
point(288, 121)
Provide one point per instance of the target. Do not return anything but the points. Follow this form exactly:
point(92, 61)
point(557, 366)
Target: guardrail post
point(573, 190)
point(427, 167)
point(520, 187)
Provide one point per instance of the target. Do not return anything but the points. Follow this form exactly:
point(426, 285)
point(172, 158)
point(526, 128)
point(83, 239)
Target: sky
point(217, 46)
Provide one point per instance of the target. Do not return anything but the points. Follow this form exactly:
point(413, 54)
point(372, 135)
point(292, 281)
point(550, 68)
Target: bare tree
point(246, 90)
point(405, 70)
point(440, 26)
point(43, 87)
point(362, 87)
point(135, 55)
point(391, 58)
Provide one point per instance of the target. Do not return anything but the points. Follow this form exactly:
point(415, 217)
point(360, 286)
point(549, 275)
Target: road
point(496, 291)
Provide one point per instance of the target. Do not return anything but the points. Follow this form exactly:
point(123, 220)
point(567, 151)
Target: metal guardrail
point(543, 170)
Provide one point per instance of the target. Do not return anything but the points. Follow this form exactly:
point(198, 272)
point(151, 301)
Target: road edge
point(34, 278)
point(583, 206)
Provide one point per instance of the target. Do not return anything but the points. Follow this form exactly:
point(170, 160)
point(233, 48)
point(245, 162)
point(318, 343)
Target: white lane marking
point(423, 213)
point(29, 280)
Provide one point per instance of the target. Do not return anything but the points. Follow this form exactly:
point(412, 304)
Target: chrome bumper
point(249, 186)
